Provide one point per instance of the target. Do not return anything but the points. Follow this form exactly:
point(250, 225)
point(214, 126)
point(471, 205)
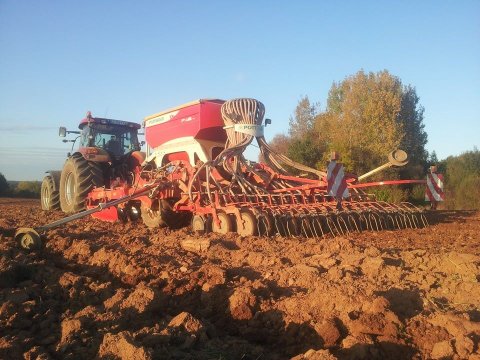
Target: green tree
point(4, 188)
point(415, 137)
point(306, 151)
point(303, 120)
point(280, 143)
point(462, 180)
point(369, 115)
point(432, 158)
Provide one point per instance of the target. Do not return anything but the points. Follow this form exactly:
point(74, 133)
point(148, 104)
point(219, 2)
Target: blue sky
point(130, 59)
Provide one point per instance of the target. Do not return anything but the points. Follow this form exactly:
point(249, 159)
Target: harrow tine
point(348, 225)
point(289, 227)
point(363, 220)
point(389, 221)
point(339, 226)
point(352, 219)
point(260, 221)
point(309, 225)
point(372, 216)
point(384, 221)
point(312, 227)
point(380, 220)
point(424, 220)
point(409, 225)
point(369, 219)
point(315, 220)
point(340, 220)
point(284, 223)
point(318, 221)
point(303, 230)
point(330, 222)
point(415, 220)
point(277, 222)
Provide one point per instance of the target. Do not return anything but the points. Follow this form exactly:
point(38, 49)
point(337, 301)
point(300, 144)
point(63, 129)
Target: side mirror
point(62, 131)
point(268, 122)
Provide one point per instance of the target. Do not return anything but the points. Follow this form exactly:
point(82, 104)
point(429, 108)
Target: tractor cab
point(105, 139)
point(116, 137)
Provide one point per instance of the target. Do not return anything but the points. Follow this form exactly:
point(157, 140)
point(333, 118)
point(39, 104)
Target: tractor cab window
point(117, 140)
point(86, 137)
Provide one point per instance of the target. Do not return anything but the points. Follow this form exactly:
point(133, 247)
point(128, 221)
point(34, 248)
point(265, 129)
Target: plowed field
point(121, 291)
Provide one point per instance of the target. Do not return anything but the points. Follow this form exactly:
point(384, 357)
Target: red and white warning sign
point(434, 190)
point(336, 182)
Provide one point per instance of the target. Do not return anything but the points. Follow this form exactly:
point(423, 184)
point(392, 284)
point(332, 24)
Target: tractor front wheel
point(49, 198)
point(78, 178)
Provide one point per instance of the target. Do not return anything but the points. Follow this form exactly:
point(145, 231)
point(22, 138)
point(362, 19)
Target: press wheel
point(247, 224)
point(225, 224)
point(28, 239)
point(199, 224)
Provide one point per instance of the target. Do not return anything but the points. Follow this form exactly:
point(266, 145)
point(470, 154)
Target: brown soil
point(121, 291)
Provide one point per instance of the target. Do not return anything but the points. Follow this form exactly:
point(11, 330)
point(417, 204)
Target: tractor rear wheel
point(161, 214)
point(49, 198)
point(78, 178)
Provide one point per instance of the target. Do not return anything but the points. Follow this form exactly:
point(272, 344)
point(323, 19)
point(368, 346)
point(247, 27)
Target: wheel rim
point(153, 214)
point(69, 188)
point(248, 224)
point(198, 224)
point(28, 238)
point(224, 226)
point(45, 197)
point(154, 211)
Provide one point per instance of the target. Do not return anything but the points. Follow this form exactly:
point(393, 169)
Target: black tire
point(162, 215)
point(78, 178)
point(49, 198)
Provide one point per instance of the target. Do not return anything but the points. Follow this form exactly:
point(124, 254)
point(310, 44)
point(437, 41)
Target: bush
point(28, 189)
point(462, 180)
point(392, 194)
point(417, 195)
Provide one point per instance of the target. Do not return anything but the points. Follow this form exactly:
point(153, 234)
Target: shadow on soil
point(378, 350)
point(448, 216)
point(404, 303)
point(64, 289)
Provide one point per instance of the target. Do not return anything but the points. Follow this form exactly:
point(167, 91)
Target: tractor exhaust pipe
point(395, 158)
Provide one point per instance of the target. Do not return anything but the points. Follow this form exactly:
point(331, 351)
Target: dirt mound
point(122, 291)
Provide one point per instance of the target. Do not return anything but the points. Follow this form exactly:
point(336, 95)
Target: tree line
point(24, 189)
point(366, 116)
point(462, 180)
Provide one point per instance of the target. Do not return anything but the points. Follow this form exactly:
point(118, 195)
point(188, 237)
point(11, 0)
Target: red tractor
point(107, 155)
